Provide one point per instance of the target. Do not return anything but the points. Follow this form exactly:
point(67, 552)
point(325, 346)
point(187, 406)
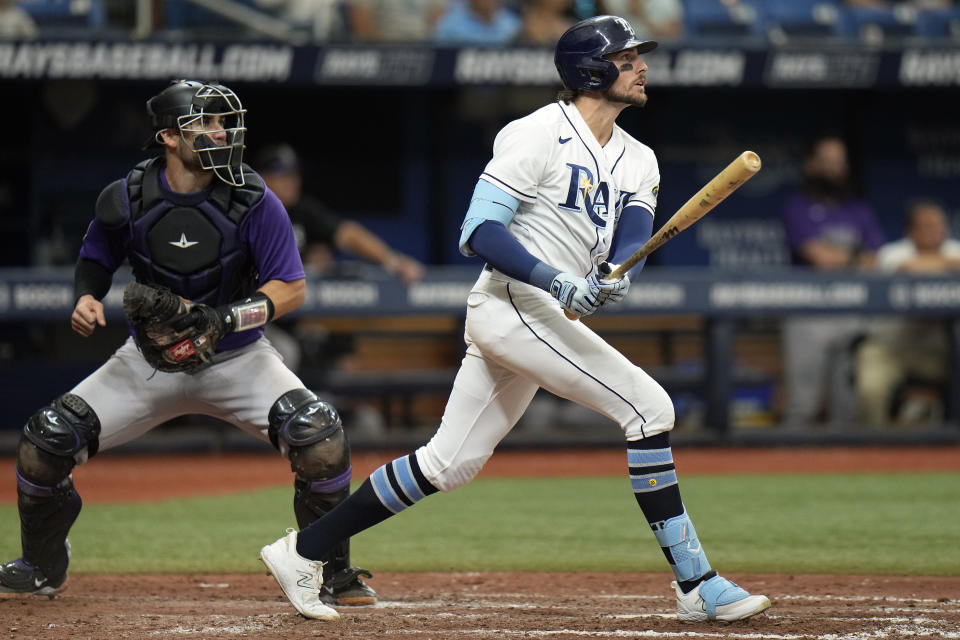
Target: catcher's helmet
point(192, 107)
point(579, 56)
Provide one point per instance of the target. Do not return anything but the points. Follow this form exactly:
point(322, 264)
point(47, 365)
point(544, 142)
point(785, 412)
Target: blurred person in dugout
point(320, 234)
point(660, 19)
point(394, 20)
point(544, 21)
point(15, 23)
point(901, 350)
point(828, 228)
point(478, 23)
point(322, 18)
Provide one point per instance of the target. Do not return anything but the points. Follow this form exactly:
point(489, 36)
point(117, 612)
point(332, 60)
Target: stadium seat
point(713, 18)
point(65, 14)
point(789, 19)
point(187, 16)
point(938, 23)
point(876, 25)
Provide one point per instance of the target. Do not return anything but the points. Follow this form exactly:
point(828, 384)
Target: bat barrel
point(751, 160)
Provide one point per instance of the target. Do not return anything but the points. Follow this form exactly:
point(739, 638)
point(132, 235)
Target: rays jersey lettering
point(572, 190)
point(585, 195)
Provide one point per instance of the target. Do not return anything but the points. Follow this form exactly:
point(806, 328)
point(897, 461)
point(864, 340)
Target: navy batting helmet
point(579, 56)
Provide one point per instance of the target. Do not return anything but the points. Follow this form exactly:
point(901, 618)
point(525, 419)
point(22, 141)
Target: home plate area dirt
point(480, 606)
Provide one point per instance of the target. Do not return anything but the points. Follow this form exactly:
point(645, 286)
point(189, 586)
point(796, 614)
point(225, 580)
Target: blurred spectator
point(15, 23)
point(826, 228)
point(477, 22)
point(898, 350)
point(651, 19)
point(544, 21)
point(320, 233)
point(323, 19)
point(394, 20)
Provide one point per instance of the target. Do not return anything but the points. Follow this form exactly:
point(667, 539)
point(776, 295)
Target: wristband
point(249, 313)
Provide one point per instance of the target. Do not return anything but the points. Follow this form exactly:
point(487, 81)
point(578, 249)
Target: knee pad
point(57, 437)
point(308, 432)
point(38, 469)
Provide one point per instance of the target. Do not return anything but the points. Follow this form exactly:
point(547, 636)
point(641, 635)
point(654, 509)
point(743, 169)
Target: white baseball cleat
point(717, 599)
point(299, 578)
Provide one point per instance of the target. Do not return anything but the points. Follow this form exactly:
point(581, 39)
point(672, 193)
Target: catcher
point(214, 259)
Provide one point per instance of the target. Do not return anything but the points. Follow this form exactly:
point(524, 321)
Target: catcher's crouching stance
point(214, 260)
point(174, 334)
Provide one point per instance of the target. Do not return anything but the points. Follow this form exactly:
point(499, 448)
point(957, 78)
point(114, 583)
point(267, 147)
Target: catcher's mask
point(202, 109)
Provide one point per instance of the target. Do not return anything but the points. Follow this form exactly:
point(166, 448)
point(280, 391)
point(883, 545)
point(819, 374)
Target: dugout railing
point(693, 329)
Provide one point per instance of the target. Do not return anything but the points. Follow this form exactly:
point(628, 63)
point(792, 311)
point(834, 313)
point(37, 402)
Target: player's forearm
point(354, 239)
point(633, 230)
point(285, 296)
point(91, 278)
point(825, 256)
point(492, 242)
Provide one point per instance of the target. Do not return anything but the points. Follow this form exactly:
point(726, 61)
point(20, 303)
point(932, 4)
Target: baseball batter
point(566, 193)
point(202, 226)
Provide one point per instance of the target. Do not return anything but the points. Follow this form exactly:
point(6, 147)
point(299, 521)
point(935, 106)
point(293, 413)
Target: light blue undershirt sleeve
point(488, 203)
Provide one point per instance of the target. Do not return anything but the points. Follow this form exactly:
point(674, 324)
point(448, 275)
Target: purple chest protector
point(193, 246)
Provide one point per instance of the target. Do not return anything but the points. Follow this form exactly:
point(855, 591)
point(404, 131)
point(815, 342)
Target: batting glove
point(574, 293)
point(608, 290)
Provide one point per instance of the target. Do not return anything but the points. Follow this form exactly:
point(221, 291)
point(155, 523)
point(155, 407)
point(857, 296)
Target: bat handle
point(608, 276)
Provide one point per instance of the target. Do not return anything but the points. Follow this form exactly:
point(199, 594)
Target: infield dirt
point(480, 606)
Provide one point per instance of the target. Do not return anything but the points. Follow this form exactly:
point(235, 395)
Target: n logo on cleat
point(304, 580)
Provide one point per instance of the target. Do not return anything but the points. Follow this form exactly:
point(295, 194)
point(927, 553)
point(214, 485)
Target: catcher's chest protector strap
point(143, 191)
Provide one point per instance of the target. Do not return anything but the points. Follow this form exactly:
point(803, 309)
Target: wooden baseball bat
point(710, 195)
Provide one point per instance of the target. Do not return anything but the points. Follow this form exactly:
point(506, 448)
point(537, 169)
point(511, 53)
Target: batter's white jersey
point(572, 191)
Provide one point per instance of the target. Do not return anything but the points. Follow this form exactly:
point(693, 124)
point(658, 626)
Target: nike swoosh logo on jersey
point(565, 140)
point(183, 243)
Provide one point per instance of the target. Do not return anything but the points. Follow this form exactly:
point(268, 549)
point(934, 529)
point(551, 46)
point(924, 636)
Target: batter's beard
point(630, 98)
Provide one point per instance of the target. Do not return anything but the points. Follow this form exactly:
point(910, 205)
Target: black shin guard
point(310, 503)
point(46, 515)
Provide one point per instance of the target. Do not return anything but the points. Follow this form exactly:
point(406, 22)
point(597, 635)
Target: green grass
point(857, 523)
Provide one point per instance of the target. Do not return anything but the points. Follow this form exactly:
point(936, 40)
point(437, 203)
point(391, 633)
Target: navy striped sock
point(388, 491)
point(654, 477)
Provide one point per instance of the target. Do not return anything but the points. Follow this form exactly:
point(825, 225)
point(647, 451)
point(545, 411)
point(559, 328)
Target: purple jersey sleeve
point(797, 226)
point(273, 246)
point(273, 249)
point(873, 237)
point(851, 225)
point(108, 249)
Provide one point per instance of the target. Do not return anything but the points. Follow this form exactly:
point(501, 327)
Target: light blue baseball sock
point(653, 477)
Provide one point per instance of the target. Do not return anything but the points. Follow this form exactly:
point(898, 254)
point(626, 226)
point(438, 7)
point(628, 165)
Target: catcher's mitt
point(173, 334)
